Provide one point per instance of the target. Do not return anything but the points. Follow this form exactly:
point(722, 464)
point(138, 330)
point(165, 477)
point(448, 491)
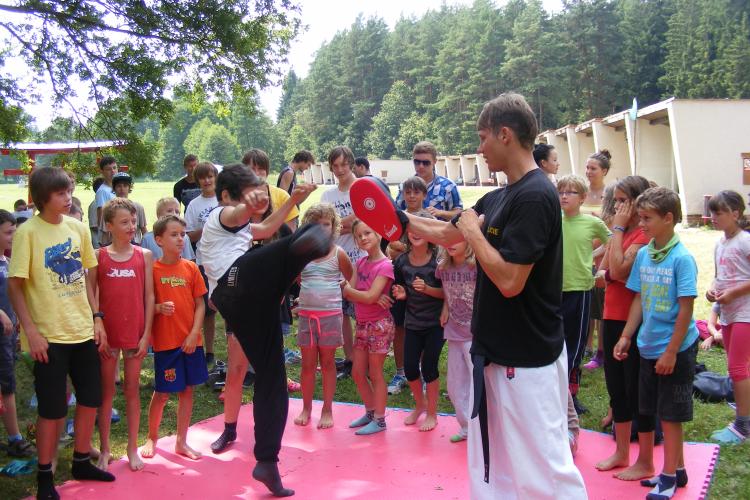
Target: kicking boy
point(126, 297)
point(179, 363)
point(235, 276)
point(664, 278)
point(167, 206)
point(17, 445)
point(55, 302)
point(196, 215)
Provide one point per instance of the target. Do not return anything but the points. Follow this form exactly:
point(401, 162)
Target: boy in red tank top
point(126, 298)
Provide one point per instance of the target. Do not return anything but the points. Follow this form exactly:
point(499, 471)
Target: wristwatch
point(99, 314)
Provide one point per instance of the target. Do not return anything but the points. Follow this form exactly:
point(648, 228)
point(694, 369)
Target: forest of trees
point(379, 90)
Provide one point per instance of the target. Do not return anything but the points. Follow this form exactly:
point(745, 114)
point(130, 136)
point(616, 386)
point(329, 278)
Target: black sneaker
point(249, 380)
point(346, 371)
point(580, 409)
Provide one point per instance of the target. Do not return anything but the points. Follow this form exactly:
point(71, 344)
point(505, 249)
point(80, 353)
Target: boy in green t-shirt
point(579, 232)
point(55, 301)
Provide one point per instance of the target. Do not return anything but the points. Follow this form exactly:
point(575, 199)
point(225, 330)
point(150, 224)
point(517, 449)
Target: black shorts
point(597, 303)
point(670, 397)
point(210, 311)
point(7, 363)
point(81, 362)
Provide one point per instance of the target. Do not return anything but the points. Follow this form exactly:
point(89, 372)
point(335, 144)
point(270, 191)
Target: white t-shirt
point(733, 268)
point(220, 246)
point(196, 216)
point(343, 205)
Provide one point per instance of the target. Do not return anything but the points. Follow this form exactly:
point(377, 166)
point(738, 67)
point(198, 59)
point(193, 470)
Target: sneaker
point(397, 383)
point(728, 435)
point(346, 371)
point(596, 362)
point(293, 386)
point(292, 357)
point(580, 409)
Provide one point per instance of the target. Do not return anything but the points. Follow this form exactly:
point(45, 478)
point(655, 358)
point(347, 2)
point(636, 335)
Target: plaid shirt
point(442, 193)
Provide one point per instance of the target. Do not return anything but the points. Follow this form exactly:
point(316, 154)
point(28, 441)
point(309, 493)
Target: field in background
point(732, 476)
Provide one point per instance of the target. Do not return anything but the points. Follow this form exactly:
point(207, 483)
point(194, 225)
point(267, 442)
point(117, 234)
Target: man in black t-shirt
point(187, 188)
point(520, 366)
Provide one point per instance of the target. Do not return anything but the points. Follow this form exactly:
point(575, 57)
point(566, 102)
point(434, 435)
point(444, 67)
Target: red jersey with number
point(122, 290)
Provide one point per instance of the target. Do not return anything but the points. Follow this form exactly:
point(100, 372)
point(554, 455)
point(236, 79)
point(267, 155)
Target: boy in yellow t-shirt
point(55, 301)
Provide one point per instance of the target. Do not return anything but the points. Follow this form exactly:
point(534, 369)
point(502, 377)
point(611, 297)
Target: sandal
point(20, 449)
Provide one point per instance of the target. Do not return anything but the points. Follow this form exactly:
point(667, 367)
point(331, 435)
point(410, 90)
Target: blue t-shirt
point(4, 299)
point(103, 195)
point(660, 286)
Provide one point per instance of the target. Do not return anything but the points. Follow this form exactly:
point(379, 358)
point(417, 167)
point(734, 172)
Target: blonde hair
point(115, 204)
point(444, 259)
point(573, 181)
point(166, 201)
point(321, 211)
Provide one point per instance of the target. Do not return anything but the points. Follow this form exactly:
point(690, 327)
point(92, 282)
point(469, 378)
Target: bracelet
point(619, 228)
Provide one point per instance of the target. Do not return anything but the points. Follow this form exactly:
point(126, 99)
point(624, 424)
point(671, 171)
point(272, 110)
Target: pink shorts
point(320, 329)
point(375, 336)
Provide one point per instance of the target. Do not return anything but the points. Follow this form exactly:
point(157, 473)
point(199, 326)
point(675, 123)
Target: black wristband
point(455, 218)
point(99, 314)
point(403, 219)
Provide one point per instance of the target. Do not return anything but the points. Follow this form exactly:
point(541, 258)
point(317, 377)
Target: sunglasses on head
point(424, 163)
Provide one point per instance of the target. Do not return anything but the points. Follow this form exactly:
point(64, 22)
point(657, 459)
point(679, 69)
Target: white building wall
point(709, 137)
point(607, 137)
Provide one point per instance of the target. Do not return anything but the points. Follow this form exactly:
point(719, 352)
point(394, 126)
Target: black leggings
point(425, 345)
point(248, 297)
point(622, 378)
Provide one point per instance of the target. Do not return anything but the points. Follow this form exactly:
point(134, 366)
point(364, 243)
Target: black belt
point(480, 409)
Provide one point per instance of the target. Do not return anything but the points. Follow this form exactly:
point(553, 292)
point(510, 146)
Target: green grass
point(731, 479)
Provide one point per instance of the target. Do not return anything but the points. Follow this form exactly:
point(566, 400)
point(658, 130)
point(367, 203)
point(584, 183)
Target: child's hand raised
point(302, 191)
point(398, 292)
point(419, 285)
point(255, 199)
point(623, 214)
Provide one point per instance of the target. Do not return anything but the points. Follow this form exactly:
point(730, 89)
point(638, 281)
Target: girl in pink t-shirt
point(375, 329)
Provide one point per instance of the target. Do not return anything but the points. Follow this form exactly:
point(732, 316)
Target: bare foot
point(104, 460)
point(148, 449)
point(612, 462)
point(94, 453)
point(413, 416)
point(430, 422)
point(635, 472)
point(326, 419)
point(136, 463)
point(303, 418)
point(186, 451)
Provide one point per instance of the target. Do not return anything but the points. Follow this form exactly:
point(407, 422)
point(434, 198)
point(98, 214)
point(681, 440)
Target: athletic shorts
point(174, 370)
point(670, 397)
point(597, 303)
point(320, 328)
point(210, 311)
point(7, 363)
point(80, 362)
point(398, 311)
point(375, 337)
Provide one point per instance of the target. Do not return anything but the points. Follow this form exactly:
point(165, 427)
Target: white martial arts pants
point(530, 456)
point(460, 381)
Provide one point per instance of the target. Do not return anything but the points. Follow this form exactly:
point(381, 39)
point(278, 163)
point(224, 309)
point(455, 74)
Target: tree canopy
point(126, 56)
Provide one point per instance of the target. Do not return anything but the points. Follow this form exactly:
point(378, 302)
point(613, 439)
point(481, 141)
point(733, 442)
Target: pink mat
point(335, 464)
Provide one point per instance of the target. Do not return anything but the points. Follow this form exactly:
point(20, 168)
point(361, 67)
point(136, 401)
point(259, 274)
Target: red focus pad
point(372, 203)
